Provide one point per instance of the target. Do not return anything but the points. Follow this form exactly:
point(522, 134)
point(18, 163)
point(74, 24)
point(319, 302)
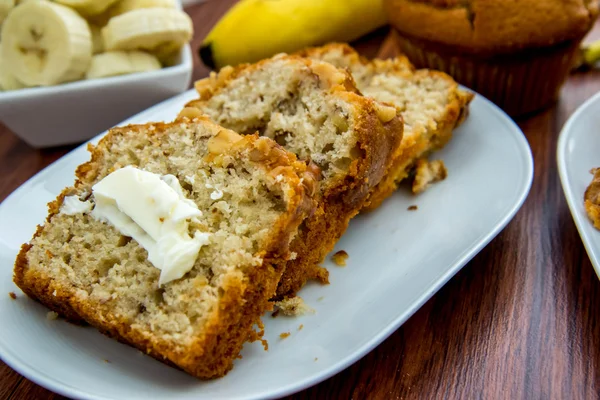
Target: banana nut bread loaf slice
point(314, 110)
point(213, 210)
point(431, 103)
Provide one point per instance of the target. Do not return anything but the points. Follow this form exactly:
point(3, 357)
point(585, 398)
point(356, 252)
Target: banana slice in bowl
point(150, 29)
point(114, 63)
point(88, 7)
point(124, 6)
point(46, 43)
point(59, 82)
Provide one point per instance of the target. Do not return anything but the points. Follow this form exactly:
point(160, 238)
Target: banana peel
point(256, 29)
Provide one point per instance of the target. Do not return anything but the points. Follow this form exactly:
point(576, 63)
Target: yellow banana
point(591, 53)
point(587, 56)
point(255, 29)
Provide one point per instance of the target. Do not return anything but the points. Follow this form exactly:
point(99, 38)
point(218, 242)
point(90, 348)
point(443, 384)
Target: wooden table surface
point(520, 321)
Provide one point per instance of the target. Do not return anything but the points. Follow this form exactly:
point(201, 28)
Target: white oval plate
point(398, 260)
point(577, 153)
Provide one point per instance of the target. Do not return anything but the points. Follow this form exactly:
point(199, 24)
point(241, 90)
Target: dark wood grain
point(520, 321)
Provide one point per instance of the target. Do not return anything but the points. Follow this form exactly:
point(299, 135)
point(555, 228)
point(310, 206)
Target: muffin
point(516, 53)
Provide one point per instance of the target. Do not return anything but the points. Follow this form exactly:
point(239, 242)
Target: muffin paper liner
point(519, 83)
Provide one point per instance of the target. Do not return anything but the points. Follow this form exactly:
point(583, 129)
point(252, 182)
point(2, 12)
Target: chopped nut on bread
point(100, 275)
point(313, 109)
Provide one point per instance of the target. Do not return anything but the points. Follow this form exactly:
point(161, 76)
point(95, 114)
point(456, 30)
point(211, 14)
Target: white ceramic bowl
point(77, 111)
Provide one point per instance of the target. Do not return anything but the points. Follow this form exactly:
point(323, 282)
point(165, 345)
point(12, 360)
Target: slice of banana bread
point(314, 110)
point(431, 103)
point(251, 195)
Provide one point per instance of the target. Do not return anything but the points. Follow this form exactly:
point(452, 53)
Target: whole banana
point(255, 29)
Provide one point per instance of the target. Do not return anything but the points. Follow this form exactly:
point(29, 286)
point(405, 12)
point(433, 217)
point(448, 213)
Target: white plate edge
point(48, 383)
point(567, 187)
point(397, 323)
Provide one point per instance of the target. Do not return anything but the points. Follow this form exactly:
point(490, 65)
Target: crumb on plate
point(300, 327)
point(51, 315)
point(293, 306)
point(339, 258)
point(412, 208)
point(284, 335)
point(12, 295)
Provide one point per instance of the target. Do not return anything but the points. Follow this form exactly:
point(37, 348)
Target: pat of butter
point(153, 210)
point(72, 205)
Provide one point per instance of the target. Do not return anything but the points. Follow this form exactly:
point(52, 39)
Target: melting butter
point(153, 210)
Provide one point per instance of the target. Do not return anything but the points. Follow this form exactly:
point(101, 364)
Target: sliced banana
point(124, 6)
point(88, 7)
point(46, 43)
point(115, 63)
point(8, 80)
point(5, 7)
point(97, 41)
point(152, 29)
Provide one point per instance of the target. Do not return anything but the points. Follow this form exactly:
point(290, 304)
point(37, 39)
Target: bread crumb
point(321, 298)
point(428, 172)
point(106, 361)
point(293, 306)
point(412, 208)
point(316, 358)
point(51, 315)
point(284, 335)
point(12, 295)
point(300, 327)
point(340, 258)
point(275, 313)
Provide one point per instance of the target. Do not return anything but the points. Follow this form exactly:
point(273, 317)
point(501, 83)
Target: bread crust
point(418, 144)
point(243, 302)
point(342, 199)
point(322, 231)
point(493, 26)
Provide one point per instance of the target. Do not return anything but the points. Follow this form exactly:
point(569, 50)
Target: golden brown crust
point(243, 302)
point(339, 80)
point(493, 26)
point(395, 65)
point(318, 234)
point(377, 137)
point(418, 144)
point(592, 199)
